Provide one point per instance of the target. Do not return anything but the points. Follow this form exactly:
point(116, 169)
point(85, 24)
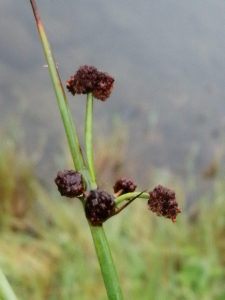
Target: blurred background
point(166, 117)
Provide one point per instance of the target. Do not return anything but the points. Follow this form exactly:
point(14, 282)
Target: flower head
point(162, 202)
point(99, 207)
point(70, 183)
point(89, 79)
point(123, 186)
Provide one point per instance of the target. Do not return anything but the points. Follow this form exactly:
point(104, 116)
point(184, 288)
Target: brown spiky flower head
point(123, 186)
point(89, 79)
point(99, 207)
point(162, 202)
point(70, 183)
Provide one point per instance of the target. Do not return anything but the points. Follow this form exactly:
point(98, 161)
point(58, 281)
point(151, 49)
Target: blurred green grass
point(47, 253)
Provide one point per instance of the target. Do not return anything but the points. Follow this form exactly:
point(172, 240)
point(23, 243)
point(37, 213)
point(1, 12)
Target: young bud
point(124, 185)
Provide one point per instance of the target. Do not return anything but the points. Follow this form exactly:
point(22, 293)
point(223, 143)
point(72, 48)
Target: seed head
point(162, 202)
point(70, 183)
point(89, 79)
point(124, 184)
point(99, 207)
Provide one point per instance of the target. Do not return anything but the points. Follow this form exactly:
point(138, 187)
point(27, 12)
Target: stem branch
point(89, 135)
point(129, 196)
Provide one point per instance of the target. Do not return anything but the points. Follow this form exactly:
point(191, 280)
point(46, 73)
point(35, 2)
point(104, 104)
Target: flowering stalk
point(89, 136)
point(103, 252)
point(98, 234)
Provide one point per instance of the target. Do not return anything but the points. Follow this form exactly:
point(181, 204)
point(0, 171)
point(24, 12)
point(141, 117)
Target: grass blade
point(6, 291)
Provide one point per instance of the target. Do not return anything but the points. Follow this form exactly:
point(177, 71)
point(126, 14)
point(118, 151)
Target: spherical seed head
point(162, 202)
point(99, 207)
point(70, 183)
point(89, 79)
point(124, 184)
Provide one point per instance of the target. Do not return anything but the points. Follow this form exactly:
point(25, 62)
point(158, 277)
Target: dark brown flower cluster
point(89, 79)
point(162, 202)
point(70, 183)
point(99, 207)
point(124, 185)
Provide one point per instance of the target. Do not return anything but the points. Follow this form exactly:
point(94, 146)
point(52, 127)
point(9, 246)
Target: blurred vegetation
point(46, 249)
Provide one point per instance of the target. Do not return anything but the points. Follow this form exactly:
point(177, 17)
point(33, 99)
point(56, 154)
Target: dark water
point(168, 60)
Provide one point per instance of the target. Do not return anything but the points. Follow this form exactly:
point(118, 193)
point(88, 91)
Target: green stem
point(129, 196)
point(106, 263)
point(60, 95)
point(100, 241)
point(6, 292)
point(89, 135)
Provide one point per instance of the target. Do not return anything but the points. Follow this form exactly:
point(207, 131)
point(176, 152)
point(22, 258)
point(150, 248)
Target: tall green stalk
point(101, 245)
point(99, 238)
point(60, 95)
point(106, 263)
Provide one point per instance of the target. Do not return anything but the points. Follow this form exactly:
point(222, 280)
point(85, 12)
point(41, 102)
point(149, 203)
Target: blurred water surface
point(168, 60)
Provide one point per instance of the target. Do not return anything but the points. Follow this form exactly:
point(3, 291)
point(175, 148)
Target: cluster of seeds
point(70, 183)
point(162, 202)
point(99, 207)
point(124, 185)
point(89, 79)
